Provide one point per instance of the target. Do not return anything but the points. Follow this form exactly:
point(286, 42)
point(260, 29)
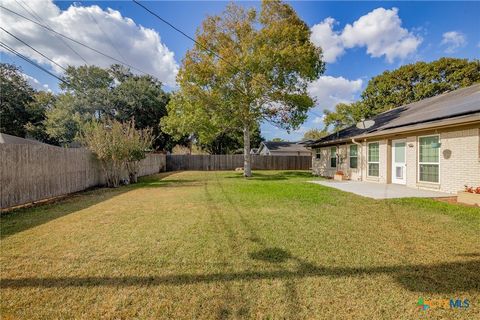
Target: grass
point(213, 245)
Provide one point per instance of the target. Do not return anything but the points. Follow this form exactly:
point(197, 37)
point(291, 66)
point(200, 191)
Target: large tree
point(230, 142)
point(15, 96)
point(92, 93)
point(43, 102)
point(409, 83)
point(314, 134)
point(245, 67)
point(143, 99)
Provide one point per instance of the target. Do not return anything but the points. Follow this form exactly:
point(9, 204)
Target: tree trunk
point(247, 163)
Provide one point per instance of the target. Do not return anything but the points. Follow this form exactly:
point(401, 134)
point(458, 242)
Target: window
point(373, 159)
point(317, 154)
point(333, 157)
point(353, 156)
point(429, 159)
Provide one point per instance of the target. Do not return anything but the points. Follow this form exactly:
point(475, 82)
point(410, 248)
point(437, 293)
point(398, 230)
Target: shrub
point(137, 143)
point(117, 146)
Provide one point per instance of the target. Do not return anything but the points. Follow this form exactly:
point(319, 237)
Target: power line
point(18, 54)
point(73, 40)
point(205, 48)
point(43, 55)
point(39, 19)
point(186, 35)
point(195, 41)
point(106, 35)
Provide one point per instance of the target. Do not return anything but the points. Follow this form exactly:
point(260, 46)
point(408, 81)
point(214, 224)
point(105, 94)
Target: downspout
point(359, 155)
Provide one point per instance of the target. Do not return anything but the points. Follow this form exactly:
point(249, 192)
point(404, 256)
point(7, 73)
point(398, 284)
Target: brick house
point(429, 144)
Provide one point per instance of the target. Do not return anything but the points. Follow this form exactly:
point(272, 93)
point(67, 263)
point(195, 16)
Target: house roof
point(277, 146)
point(9, 139)
point(462, 103)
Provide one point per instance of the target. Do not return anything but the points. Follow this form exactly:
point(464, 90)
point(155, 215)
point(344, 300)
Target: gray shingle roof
point(449, 105)
point(285, 146)
point(9, 139)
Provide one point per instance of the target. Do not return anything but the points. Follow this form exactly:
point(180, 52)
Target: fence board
point(230, 162)
point(30, 172)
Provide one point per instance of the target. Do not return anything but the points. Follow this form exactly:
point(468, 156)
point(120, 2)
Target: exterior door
point(399, 165)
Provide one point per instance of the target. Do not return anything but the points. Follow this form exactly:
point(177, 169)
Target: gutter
point(464, 120)
point(446, 123)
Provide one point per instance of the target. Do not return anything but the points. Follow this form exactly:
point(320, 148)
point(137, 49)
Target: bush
point(137, 142)
point(117, 146)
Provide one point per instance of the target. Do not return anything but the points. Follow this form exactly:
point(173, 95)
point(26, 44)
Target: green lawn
point(213, 245)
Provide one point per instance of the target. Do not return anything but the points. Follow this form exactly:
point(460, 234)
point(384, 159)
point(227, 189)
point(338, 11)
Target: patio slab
point(381, 190)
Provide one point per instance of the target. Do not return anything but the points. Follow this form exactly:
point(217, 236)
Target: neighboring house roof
point(306, 141)
point(9, 139)
point(460, 106)
point(277, 146)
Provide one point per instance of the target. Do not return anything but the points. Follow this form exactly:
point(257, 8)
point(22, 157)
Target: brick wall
point(321, 167)
point(459, 161)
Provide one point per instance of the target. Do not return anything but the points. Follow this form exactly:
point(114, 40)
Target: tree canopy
point(16, 95)
point(89, 93)
point(245, 67)
point(314, 134)
point(407, 84)
point(231, 142)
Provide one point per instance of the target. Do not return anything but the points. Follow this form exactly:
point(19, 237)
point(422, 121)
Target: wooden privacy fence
point(30, 172)
point(230, 162)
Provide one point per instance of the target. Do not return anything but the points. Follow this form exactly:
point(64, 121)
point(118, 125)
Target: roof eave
point(445, 123)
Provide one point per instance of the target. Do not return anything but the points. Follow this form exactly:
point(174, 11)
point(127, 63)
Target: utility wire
point(73, 40)
point(43, 55)
point(186, 35)
point(106, 35)
point(203, 47)
point(39, 19)
point(18, 54)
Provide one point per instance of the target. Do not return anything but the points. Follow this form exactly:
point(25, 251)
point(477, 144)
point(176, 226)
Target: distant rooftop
point(285, 146)
point(9, 139)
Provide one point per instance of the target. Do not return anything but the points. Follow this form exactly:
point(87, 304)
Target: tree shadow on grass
point(168, 183)
point(282, 175)
point(22, 219)
point(451, 277)
point(273, 255)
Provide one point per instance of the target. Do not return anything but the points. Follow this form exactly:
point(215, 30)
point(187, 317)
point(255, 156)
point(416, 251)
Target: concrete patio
point(381, 190)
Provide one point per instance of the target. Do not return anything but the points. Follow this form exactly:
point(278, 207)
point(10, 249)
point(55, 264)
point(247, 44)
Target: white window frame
point(318, 154)
point(336, 157)
point(368, 159)
point(418, 159)
point(349, 156)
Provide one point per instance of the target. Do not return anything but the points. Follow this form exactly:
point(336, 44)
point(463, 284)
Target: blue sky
point(362, 39)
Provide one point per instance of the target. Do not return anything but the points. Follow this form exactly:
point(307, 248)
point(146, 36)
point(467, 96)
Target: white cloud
point(329, 91)
point(453, 40)
point(318, 120)
point(329, 40)
point(380, 31)
point(35, 84)
point(301, 130)
point(115, 35)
